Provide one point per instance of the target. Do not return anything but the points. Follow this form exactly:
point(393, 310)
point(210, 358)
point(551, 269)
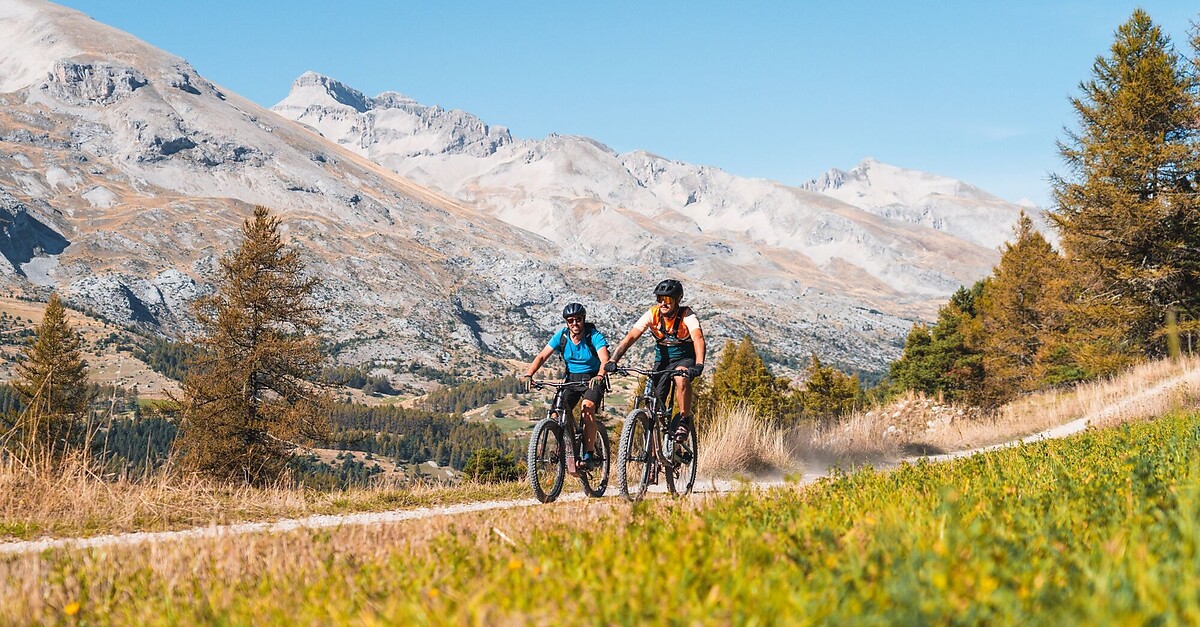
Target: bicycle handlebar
point(625, 370)
point(547, 383)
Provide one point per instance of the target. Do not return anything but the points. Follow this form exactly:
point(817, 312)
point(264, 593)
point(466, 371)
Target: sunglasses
point(666, 299)
point(573, 320)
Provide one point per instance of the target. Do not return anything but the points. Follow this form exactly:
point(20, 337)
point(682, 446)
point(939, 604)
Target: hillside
point(1005, 534)
point(110, 350)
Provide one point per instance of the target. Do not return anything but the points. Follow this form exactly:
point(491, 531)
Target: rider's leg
point(588, 414)
point(683, 402)
point(683, 396)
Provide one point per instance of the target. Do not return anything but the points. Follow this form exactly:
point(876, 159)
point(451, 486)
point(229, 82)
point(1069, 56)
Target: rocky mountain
point(124, 175)
point(569, 188)
point(938, 202)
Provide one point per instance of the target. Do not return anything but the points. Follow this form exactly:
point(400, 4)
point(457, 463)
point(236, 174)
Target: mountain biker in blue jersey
point(680, 346)
point(585, 352)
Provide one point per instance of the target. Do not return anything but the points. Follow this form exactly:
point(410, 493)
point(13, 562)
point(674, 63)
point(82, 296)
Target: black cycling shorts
point(663, 385)
point(594, 393)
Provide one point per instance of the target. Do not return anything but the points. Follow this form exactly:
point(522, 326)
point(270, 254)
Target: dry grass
point(191, 571)
point(737, 442)
point(1146, 391)
point(854, 440)
point(914, 424)
point(71, 499)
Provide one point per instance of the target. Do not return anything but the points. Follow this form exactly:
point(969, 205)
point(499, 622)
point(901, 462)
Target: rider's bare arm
point(538, 360)
point(636, 332)
point(604, 359)
point(693, 325)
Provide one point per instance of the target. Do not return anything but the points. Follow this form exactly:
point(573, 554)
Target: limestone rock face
point(82, 84)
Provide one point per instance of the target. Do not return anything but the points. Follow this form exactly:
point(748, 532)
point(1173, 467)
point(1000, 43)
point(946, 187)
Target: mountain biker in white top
point(680, 341)
point(585, 352)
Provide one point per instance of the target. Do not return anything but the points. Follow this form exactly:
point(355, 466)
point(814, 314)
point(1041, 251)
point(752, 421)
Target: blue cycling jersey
point(579, 357)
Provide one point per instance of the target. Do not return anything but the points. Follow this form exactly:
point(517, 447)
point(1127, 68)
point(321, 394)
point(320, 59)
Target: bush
point(489, 465)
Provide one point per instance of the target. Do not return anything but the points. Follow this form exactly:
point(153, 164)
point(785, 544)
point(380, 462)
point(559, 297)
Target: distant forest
point(136, 442)
point(467, 396)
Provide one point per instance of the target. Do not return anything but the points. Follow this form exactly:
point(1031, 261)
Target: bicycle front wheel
point(681, 475)
point(546, 460)
point(595, 479)
point(635, 458)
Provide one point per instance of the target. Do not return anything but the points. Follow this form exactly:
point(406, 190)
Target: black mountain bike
point(549, 457)
point(649, 444)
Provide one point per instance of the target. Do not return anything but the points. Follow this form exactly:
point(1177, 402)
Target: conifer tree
point(1019, 314)
point(944, 358)
point(828, 392)
point(742, 376)
point(52, 382)
point(250, 395)
point(1128, 210)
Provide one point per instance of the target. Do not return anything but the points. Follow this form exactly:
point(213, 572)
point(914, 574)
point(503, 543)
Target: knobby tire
point(546, 460)
point(682, 477)
point(599, 475)
point(634, 456)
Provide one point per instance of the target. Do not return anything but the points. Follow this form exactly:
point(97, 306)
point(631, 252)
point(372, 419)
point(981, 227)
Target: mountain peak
point(407, 127)
point(340, 92)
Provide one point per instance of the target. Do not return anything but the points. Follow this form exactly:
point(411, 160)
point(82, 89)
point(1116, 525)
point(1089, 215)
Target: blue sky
point(778, 90)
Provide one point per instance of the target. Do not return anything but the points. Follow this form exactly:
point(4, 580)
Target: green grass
point(1101, 528)
point(156, 404)
point(507, 424)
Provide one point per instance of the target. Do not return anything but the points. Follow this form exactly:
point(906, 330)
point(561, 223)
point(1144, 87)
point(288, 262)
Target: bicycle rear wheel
point(546, 460)
point(595, 480)
point(635, 459)
point(681, 472)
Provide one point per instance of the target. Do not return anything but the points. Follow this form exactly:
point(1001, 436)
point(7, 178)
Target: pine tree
point(1128, 210)
point(944, 359)
point(742, 376)
point(52, 382)
point(828, 392)
point(250, 392)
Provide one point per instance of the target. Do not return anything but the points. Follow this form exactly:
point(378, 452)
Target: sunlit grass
point(1100, 528)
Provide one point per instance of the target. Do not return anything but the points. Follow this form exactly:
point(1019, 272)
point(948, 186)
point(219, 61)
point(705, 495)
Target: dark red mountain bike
point(556, 446)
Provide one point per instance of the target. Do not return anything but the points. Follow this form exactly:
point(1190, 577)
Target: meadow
point(1098, 527)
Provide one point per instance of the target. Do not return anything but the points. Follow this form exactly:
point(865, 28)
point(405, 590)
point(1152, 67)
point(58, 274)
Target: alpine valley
point(441, 239)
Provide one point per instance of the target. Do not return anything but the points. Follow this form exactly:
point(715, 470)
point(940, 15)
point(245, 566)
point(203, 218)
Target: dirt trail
point(1188, 379)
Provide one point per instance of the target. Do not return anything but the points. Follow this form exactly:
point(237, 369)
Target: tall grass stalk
point(1139, 393)
point(738, 442)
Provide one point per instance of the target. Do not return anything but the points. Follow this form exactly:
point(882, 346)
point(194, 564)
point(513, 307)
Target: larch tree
point(1018, 308)
point(1127, 210)
point(250, 394)
point(52, 382)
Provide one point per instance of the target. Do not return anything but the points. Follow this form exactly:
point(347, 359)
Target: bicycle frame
point(662, 414)
point(565, 416)
point(655, 449)
point(560, 426)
